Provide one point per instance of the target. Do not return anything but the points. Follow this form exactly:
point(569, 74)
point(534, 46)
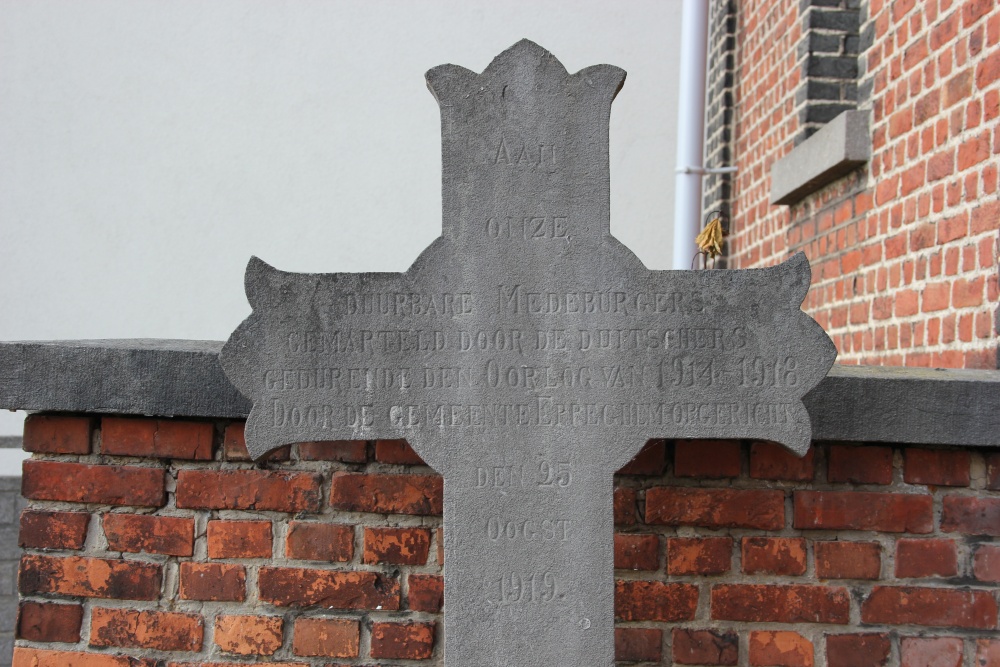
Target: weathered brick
point(157, 438)
point(757, 603)
point(82, 483)
point(859, 465)
point(986, 563)
point(705, 647)
point(926, 558)
point(34, 657)
point(49, 622)
point(710, 459)
point(276, 491)
point(249, 635)
point(930, 652)
point(699, 555)
point(161, 630)
point(780, 649)
point(232, 664)
point(936, 467)
point(53, 530)
point(848, 560)
point(426, 592)
point(655, 601)
point(651, 460)
point(625, 504)
point(774, 555)
point(396, 546)
point(173, 536)
point(936, 607)
point(345, 451)
point(56, 434)
point(853, 510)
point(327, 637)
point(297, 587)
point(771, 461)
point(397, 452)
point(638, 645)
point(213, 582)
point(971, 515)
point(239, 539)
point(402, 641)
point(870, 650)
point(234, 445)
point(89, 577)
point(387, 494)
point(330, 542)
point(637, 551)
point(987, 653)
point(993, 471)
point(716, 508)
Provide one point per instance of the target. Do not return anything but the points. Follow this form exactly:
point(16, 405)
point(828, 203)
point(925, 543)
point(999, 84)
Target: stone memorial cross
point(527, 355)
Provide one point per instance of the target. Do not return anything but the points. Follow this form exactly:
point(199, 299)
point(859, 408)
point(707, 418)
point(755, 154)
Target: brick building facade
point(903, 244)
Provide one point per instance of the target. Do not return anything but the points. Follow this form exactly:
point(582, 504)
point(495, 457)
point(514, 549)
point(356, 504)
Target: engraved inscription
point(533, 588)
point(519, 153)
point(528, 228)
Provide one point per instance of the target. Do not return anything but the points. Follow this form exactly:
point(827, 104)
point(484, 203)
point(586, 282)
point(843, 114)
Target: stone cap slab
point(180, 378)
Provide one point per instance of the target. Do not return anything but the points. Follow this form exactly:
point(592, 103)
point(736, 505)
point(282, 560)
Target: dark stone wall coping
point(181, 378)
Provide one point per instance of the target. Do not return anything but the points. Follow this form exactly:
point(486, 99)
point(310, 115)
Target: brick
point(49, 622)
point(985, 217)
point(426, 592)
point(239, 539)
point(710, 459)
point(161, 630)
point(771, 461)
point(971, 515)
point(638, 645)
point(853, 510)
point(780, 649)
point(774, 555)
point(859, 465)
point(967, 293)
point(986, 563)
point(625, 504)
point(926, 558)
point(157, 438)
point(329, 542)
point(699, 555)
point(705, 647)
point(716, 508)
point(936, 607)
point(56, 434)
point(213, 582)
point(937, 467)
point(249, 635)
point(848, 560)
point(637, 552)
point(397, 452)
point(234, 445)
point(988, 653)
point(105, 485)
point(931, 652)
point(327, 637)
point(387, 494)
point(345, 451)
point(277, 491)
point(870, 650)
point(655, 601)
point(396, 546)
point(758, 603)
point(34, 657)
point(651, 460)
point(296, 587)
point(169, 535)
point(89, 577)
point(936, 296)
point(402, 641)
point(974, 150)
point(234, 664)
point(993, 472)
point(53, 530)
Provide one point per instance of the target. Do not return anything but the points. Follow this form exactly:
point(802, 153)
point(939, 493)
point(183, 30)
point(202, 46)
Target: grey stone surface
point(842, 145)
point(140, 377)
point(526, 356)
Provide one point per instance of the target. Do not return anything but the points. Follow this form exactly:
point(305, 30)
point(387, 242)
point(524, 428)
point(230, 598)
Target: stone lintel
point(184, 379)
point(839, 147)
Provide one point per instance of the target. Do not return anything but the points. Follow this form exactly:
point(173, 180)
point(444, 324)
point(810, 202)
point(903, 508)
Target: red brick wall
point(905, 250)
point(727, 552)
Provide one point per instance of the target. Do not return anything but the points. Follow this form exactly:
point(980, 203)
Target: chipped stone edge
point(839, 147)
point(170, 378)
